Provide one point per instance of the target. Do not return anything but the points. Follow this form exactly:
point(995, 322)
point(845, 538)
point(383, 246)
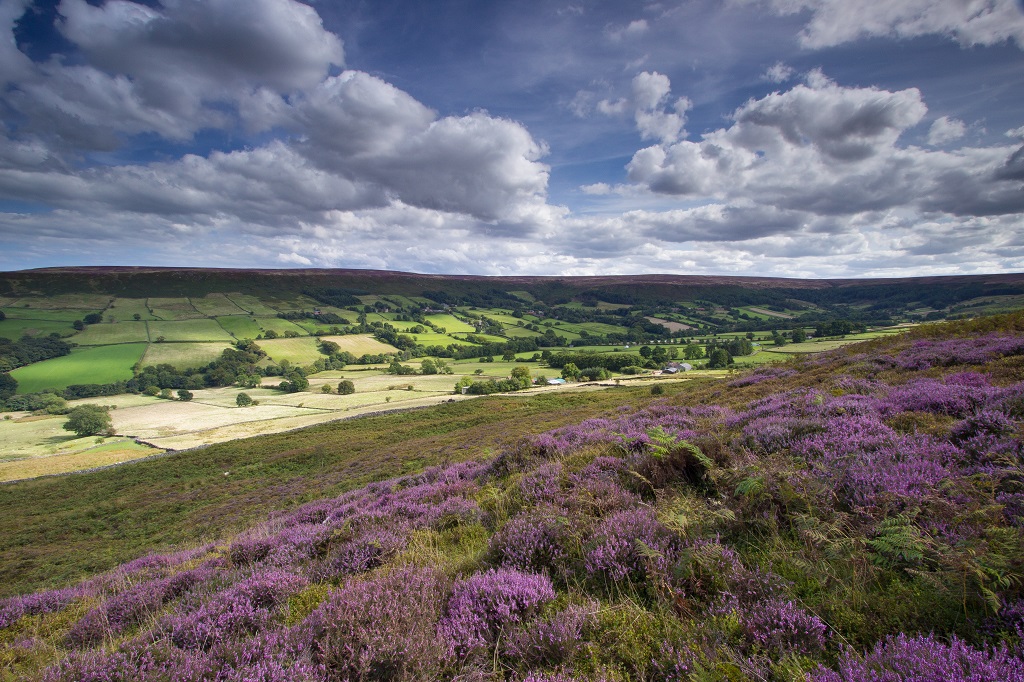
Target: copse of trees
point(28, 349)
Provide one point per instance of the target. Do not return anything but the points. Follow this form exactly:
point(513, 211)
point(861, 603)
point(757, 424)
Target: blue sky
point(791, 138)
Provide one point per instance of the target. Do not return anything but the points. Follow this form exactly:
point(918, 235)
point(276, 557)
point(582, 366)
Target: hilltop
point(844, 516)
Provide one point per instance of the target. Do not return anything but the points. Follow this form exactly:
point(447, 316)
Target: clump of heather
point(630, 545)
point(902, 658)
point(553, 640)
point(384, 627)
point(485, 603)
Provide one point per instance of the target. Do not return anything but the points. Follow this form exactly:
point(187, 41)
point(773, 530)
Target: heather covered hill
point(858, 515)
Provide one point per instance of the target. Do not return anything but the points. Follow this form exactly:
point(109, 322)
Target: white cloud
point(649, 103)
point(969, 22)
point(778, 73)
point(945, 129)
point(630, 31)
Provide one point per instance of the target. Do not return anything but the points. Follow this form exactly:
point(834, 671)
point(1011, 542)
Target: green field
point(97, 365)
point(251, 304)
point(15, 329)
point(451, 323)
point(126, 309)
point(280, 326)
point(188, 330)
point(300, 351)
point(183, 355)
point(213, 305)
point(435, 339)
point(85, 303)
point(50, 315)
point(240, 326)
point(173, 309)
point(106, 333)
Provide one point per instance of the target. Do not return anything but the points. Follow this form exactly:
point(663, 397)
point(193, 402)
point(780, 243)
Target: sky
point(785, 138)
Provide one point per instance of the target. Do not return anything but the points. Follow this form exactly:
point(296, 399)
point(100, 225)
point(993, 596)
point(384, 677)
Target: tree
point(136, 317)
point(88, 420)
point(165, 393)
point(522, 375)
point(693, 352)
point(93, 318)
point(78, 325)
point(3, 316)
point(184, 395)
point(719, 359)
point(428, 366)
point(8, 386)
point(346, 387)
point(799, 335)
point(243, 400)
point(571, 372)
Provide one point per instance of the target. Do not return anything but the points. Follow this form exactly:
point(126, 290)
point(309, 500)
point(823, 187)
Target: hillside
point(845, 516)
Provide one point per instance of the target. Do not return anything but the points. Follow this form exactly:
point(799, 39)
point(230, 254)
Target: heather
point(854, 516)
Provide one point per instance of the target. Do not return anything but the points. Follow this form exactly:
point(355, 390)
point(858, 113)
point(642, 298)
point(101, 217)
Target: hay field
point(363, 344)
point(90, 456)
point(93, 365)
point(106, 333)
point(299, 351)
point(183, 355)
point(189, 330)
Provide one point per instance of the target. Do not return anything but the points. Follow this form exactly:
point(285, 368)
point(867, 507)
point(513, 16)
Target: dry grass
point(110, 452)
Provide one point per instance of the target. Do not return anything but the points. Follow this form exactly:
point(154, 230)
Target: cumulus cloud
point(778, 73)
point(172, 70)
point(945, 129)
point(649, 102)
point(826, 152)
point(633, 29)
point(969, 22)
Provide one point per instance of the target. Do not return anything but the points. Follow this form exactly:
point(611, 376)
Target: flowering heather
point(381, 628)
point(244, 608)
point(762, 374)
point(537, 541)
point(483, 604)
point(552, 640)
point(630, 544)
point(926, 659)
point(960, 351)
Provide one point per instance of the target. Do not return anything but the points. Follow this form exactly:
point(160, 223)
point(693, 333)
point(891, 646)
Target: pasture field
point(126, 308)
point(435, 339)
point(359, 344)
point(280, 326)
point(188, 330)
point(14, 329)
point(291, 304)
point(815, 346)
point(173, 309)
point(760, 358)
point(49, 315)
point(86, 303)
point(213, 305)
point(95, 365)
point(299, 351)
point(752, 310)
point(599, 328)
point(113, 451)
point(502, 316)
point(240, 326)
point(486, 337)
point(251, 304)
point(451, 323)
point(183, 355)
point(520, 332)
point(106, 333)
